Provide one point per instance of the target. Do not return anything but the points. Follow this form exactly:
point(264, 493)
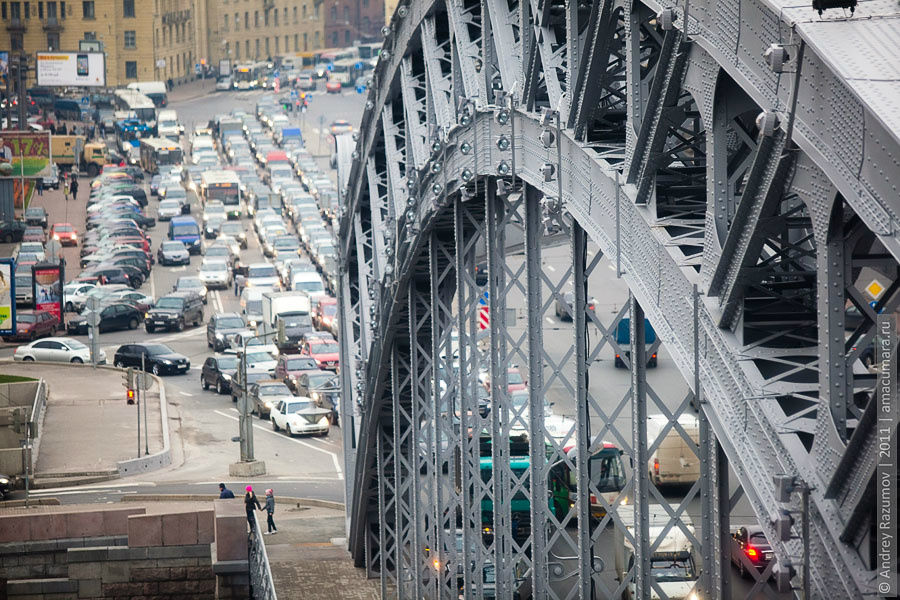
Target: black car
point(118, 315)
point(135, 192)
point(5, 485)
point(220, 327)
point(173, 252)
point(12, 231)
point(749, 542)
point(139, 262)
point(159, 359)
point(323, 388)
point(218, 371)
point(253, 375)
point(36, 216)
point(174, 311)
point(134, 276)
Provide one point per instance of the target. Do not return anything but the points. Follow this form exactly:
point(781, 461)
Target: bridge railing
point(262, 586)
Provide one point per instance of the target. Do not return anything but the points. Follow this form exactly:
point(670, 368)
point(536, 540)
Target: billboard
point(7, 297)
point(47, 280)
point(224, 67)
point(71, 69)
point(4, 63)
point(27, 153)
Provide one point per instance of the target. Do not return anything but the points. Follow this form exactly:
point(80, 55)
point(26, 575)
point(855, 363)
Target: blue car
point(187, 231)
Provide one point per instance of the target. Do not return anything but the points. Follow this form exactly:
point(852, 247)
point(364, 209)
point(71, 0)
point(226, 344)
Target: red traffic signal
point(130, 396)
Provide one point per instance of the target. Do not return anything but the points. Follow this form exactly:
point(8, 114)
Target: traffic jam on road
point(243, 182)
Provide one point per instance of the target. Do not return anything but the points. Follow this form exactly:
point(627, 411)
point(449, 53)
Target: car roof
point(181, 294)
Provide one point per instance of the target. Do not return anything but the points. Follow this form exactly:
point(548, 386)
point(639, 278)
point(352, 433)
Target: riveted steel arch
point(663, 142)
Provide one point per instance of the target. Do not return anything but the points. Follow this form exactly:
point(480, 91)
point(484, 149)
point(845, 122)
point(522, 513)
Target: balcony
point(52, 25)
point(16, 25)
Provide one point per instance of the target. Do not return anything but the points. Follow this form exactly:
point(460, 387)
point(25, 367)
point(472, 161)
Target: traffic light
point(128, 377)
point(130, 394)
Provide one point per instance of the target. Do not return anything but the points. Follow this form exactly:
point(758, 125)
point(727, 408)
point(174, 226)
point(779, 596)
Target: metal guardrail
point(37, 409)
point(262, 586)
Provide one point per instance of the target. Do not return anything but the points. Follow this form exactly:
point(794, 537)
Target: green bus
point(606, 473)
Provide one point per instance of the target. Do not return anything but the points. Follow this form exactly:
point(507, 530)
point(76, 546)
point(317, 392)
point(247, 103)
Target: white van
point(673, 564)
point(674, 461)
point(309, 282)
point(167, 125)
point(202, 142)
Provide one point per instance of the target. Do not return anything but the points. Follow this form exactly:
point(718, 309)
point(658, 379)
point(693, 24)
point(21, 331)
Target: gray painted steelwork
point(739, 167)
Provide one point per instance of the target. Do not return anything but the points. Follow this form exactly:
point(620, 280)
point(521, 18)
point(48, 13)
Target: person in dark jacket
point(250, 501)
point(270, 512)
point(224, 492)
point(73, 187)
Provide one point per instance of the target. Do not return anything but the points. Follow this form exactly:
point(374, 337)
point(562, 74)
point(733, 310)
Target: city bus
point(224, 186)
point(157, 152)
point(247, 76)
point(606, 473)
point(155, 90)
point(368, 53)
point(137, 104)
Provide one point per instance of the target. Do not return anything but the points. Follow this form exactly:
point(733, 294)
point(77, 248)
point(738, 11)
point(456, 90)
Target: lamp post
point(248, 465)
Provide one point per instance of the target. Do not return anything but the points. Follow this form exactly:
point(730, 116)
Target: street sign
point(875, 289)
point(142, 381)
point(93, 318)
point(295, 94)
point(85, 100)
point(358, 66)
point(330, 67)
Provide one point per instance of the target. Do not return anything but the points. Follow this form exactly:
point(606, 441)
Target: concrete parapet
point(231, 530)
point(54, 526)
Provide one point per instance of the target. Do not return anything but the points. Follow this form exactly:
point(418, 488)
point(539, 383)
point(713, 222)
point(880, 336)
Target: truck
point(72, 151)
point(623, 338)
point(673, 564)
point(289, 312)
point(674, 462)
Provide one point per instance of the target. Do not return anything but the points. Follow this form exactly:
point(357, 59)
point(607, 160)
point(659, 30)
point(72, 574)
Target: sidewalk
point(191, 90)
point(304, 561)
point(88, 427)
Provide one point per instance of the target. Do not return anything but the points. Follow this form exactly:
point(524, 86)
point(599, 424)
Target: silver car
point(215, 273)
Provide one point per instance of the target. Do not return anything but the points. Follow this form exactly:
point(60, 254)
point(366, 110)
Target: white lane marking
point(102, 486)
point(550, 267)
point(153, 287)
point(73, 492)
point(187, 394)
point(217, 299)
point(549, 320)
point(333, 455)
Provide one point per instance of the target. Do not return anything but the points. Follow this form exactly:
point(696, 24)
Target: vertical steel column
point(402, 561)
point(583, 416)
point(348, 357)
point(496, 251)
point(721, 583)
point(642, 542)
point(437, 499)
point(537, 434)
point(382, 516)
point(418, 415)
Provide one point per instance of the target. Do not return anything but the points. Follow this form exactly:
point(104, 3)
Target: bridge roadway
point(735, 163)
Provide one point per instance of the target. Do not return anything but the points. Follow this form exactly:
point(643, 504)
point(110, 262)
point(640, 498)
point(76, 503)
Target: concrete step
point(43, 483)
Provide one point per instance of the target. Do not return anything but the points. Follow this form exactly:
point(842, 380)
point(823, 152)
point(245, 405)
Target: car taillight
point(617, 356)
point(752, 553)
point(593, 499)
point(656, 466)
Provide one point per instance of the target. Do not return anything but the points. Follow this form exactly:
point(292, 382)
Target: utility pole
point(22, 66)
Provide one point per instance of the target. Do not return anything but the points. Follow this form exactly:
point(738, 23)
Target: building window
point(365, 2)
point(334, 13)
point(297, 43)
point(305, 42)
point(62, 10)
point(90, 36)
point(40, 10)
point(317, 12)
point(87, 9)
point(304, 12)
point(278, 45)
point(334, 39)
point(237, 50)
point(16, 43)
point(128, 9)
point(295, 15)
point(316, 39)
point(246, 20)
point(284, 15)
point(3, 10)
point(257, 47)
point(52, 41)
point(247, 48)
point(237, 22)
point(286, 43)
point(275, 15)
point(268, 51)
point(256, 18)
point(347, 37)
point(225, 27)
point(27, 10)
point(15, 11)
point(131, 69)
point(346, 14)
point(130, 39)
point(366, 25)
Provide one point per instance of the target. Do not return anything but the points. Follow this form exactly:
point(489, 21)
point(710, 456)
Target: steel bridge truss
point(642, 138)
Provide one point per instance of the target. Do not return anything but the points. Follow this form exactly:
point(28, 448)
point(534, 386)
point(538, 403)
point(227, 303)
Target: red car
point(64, 233)
point(325, 313)
point(514, 380)
point(324, 351)
point(291, 366)
point(333, 87)
point(31, 325)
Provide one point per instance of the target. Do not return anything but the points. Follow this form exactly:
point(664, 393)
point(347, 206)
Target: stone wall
point(47, 558)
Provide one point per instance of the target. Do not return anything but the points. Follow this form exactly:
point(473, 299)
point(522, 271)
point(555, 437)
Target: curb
point(39, 484)
point(210, 497)
point(31, 502)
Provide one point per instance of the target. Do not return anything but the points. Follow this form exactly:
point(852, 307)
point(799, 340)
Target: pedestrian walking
point(224, 492)
point(239, 282)
point(73, 187)
point(102, 129)
point(40, 186)
point(250, 501)
point(270, 511)
point(65, 187)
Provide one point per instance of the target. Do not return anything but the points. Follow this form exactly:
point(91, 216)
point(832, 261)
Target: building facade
point(348, 21)
point(140, 44)
point(389, 7)
point(243, 31)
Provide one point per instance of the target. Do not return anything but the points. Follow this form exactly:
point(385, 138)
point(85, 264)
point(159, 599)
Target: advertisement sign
point(26, 152)
point(4, 64)
point(7, 297)
point(48, 288)
point(224, 67)
point(71, 69)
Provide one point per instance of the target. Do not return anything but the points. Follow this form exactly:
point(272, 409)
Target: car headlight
point(252, 323)
point(226, 376)
point(146, 315)
point(165, 361)
point(315, 395)
point(195, 243)
point(219, 336)
point(323, 421)
point(268, 404)
point(3, 480)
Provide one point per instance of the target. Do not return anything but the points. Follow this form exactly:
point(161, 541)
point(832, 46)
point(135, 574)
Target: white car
point(229, 242)
point(214, 207)
point(259, 359)
point(300, 416)
point(36, 248)
point(214, 273)
point(168, 210)
point(309, 282)
point(76, 295)
point(223, 84)
point(57, 349)
point(263, 276)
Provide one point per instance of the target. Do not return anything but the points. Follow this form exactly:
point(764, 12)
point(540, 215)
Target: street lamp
point(248, 465)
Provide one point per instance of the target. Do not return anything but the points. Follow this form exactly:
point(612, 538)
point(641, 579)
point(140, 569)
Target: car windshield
point(329, 310)
point(232, 228)
point(63, 228)
point(227, 363)
point(275, 389)
point(158, 349)
point(218, 251)
point(23, 282)
point(514, 378)
point(175, 192)
point(230, 323)
point(186, 229)
point(253, 377)
point(262, 271)
point(298, 406)
point(189, 283)
point(300, 364)
point(213, 267)
point(175, 303)
point(309, 286)
point(259, 357)
point(758, 539)
point(169, 205)
point(297, 320)
point(34, 212)
point(320, 380)
point(326, 348)
point(25, 318)
point(75, 345)
point(287, 243)
point(172, 246)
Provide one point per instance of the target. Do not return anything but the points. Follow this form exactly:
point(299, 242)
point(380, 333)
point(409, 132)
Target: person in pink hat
point(249, 502)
